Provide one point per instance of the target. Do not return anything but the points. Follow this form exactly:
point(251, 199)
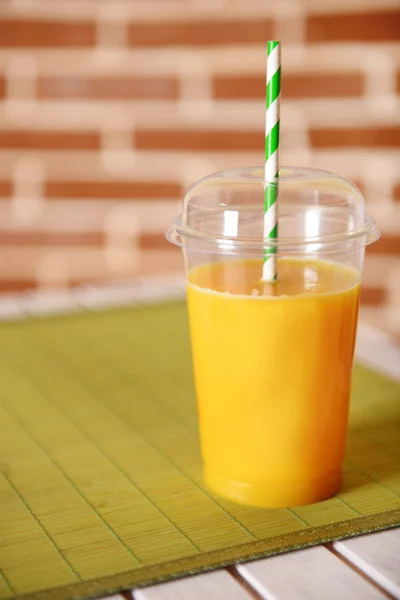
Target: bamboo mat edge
point(216, 559)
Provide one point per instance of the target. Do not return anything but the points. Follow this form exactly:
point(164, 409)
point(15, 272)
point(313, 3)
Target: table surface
point(366, 567)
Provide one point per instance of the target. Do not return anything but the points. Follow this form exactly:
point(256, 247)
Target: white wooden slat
point(216, 585)
point(49, 302)
point(386, 317)
point(309, 574)
point(377, 555)
point(142, 290)
point(377, 349)
point(145, 290)
point(11, 307)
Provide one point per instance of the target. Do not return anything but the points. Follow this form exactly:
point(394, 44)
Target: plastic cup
point(273, 360)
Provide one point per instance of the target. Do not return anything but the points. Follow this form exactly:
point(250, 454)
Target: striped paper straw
point(271, 155)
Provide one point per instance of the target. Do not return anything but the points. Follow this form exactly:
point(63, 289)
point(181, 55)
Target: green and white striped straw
point(272, 156)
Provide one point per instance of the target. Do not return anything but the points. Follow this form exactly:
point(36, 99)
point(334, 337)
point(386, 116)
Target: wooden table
point(361, 568)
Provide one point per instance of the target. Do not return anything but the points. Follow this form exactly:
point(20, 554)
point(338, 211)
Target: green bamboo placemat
point(100, 485)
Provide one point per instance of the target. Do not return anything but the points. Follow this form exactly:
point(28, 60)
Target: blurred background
point(109, 109)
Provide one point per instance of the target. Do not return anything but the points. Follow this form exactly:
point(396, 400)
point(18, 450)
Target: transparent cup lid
point(224, 212)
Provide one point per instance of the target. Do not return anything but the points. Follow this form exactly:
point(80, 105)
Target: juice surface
point(272, 365)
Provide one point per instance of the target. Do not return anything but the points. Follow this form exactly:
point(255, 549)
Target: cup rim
point(179, 234)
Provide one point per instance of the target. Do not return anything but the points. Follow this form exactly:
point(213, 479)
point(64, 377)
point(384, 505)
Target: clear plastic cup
point(273, 361)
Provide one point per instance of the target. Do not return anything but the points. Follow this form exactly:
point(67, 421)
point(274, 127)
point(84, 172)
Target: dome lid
point(225, 211)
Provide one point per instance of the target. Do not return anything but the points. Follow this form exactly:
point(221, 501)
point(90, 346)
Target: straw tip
point(271, 44)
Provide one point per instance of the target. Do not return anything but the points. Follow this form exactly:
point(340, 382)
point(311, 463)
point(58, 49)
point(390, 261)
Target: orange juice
point(272, 366)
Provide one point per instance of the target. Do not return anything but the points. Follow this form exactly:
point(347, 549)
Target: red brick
point(122, 190)
point(17, 285)
point(198, 140)
point(373, 296)
point(377, 26)
point(387, 244)
point(293, 86)
point(108, 88)
point(200, 33)
point(52, 239)
point(47, 34)
point(154, 241)
point(49, 140)
point(368, 136)
point(6, 189)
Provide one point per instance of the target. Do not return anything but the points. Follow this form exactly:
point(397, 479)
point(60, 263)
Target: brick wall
point(110, 108)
